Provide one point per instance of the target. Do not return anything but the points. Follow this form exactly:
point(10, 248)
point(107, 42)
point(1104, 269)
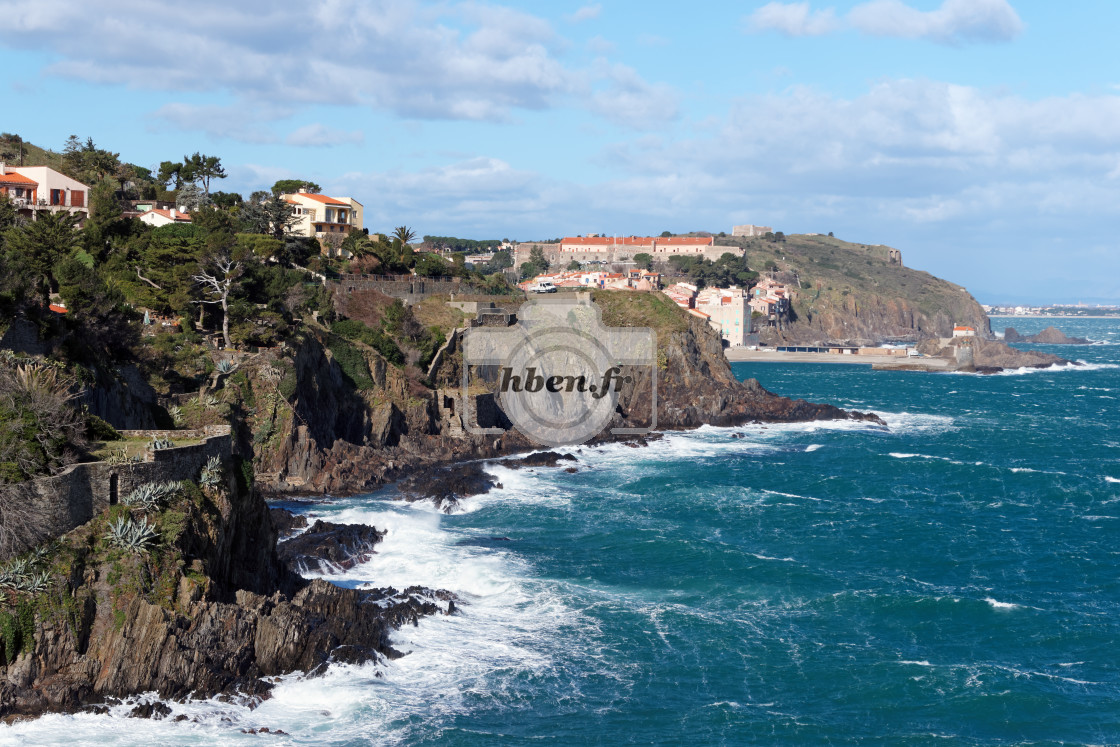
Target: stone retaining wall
point(80, 492)
point(405, 287)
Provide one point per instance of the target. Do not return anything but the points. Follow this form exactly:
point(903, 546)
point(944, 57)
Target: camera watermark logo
point(559, 373)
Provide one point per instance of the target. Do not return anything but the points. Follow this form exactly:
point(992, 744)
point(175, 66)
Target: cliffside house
point(329, 219)
point(961, 331)
point(770, 298)
point(728, 312)
point(33, 189)
point(682, 294)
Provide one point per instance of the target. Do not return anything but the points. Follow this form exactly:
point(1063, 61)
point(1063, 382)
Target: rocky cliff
point(205, 609)
point(328, 436)
point(857, 293)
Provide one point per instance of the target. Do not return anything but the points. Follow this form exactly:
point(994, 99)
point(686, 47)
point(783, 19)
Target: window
point(56, 197)
point(77, 198)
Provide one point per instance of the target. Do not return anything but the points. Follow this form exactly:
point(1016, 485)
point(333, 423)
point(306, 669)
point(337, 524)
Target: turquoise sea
point(953, 578)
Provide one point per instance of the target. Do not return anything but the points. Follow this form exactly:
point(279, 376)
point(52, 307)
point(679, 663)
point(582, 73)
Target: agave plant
point(176, 413)
point(211, 473)
point(120, 456)
point(158, 444)
point(150, 495)
point(134, 536)
point(38, 582)
point(225, 366)
point(15, 574)
point(208, 401)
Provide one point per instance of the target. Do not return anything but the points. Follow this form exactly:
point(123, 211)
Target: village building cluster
point(619, 249)
point(635, 280)
point(736, 313)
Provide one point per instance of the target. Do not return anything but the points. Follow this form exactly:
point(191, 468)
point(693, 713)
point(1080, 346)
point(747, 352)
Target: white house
point(159, 217)
point(40, 188)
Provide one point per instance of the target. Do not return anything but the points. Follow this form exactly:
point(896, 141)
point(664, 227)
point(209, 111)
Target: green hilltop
point(850, 291)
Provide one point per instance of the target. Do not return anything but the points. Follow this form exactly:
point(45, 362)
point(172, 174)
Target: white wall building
point(750, 230)
point(728, 311)
point(38, 188)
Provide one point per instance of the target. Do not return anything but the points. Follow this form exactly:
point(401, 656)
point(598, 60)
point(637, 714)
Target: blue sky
point(981, 137)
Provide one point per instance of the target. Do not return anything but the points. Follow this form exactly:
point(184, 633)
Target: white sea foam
point(931, 457)
point(1001, 605)
point(1111, 479)
point(1079, 366)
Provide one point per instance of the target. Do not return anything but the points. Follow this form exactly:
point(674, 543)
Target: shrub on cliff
point(351, 329)
point(40, 430)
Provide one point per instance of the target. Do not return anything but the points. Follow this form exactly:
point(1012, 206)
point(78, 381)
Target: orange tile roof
point(637, 241)
point(609, 240)
point(686, 241)
point(322, 198)
point(14, 178)
point(179, 216)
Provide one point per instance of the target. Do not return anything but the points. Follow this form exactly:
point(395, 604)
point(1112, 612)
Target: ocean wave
point(931, 457)
point(1001, 605)
point(1078, 366)
point(1111, 479)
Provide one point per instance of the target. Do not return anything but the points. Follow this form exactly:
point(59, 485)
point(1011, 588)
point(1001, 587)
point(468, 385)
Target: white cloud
point(220, 122)
point(954, 22)
point(587, 13)
point(460, 60)
point(319, 135)
point(629, 100)
point(793, 19)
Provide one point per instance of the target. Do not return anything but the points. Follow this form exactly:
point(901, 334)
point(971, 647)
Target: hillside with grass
point(32, 154)
point(846, 292)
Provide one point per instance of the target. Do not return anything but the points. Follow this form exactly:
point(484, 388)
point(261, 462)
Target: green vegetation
point(354, 330)
point(654, 310)
point(830, 273)
point(726, 271)
point(456, 244)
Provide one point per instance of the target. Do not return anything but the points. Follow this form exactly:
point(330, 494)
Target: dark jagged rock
point(329, 548)
point(1049, 336)
point(538, 459)
point(446, 487)
point(286, 522)
point(220, 625)
point(154, 710)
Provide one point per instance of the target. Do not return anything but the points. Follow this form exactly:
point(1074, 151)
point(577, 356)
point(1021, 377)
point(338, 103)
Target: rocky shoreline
point(219, 607)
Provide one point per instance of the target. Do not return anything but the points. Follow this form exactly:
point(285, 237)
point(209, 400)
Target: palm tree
point(404, 233)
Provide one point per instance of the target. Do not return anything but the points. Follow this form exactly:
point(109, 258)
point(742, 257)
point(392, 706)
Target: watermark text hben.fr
point(534, 382)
